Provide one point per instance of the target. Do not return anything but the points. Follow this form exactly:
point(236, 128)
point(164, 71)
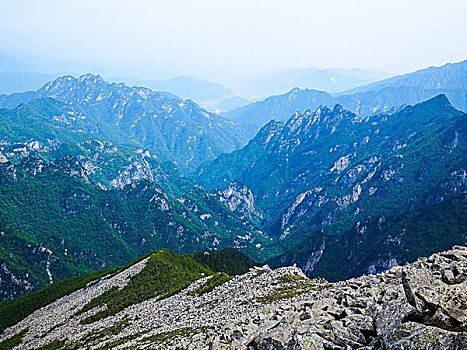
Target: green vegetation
point(181, 332)
point(227, 226)
point(165, 274)
point(213, 282)
point(35, 120)
point(112, 330)
point(157, 338)
point(17, 309)
point(402, 237)
point(259, 273)
point(56, 345)
point(228, 260)
point(290, 286)
point(87, 228)
point(113, 344)
point(13, 341)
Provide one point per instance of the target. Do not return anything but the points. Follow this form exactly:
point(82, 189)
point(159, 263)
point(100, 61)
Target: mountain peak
point(294, 90)
point(338, 109)
point(89, 77)
point(439, 100)
point(321, 110)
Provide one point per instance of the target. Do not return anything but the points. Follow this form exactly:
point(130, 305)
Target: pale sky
point(224, 39)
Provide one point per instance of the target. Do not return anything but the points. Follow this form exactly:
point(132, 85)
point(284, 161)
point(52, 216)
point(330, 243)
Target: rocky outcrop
point(240, 199)
point(418, 306)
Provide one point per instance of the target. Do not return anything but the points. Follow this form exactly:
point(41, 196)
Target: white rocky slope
point(419, 306)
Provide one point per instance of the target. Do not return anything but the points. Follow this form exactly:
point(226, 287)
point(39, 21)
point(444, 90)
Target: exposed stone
point(419, 306)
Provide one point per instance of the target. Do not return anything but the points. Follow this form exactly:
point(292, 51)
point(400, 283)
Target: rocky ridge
point(385, 96)
point(420, 305)
point(170, 128)
point(322, 163)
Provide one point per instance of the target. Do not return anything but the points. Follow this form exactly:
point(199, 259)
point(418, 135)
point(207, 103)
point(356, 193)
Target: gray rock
point(419, 306)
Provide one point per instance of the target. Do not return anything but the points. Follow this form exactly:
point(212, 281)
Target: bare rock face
point(240, 198)
point(418, 306)
point(438, 297)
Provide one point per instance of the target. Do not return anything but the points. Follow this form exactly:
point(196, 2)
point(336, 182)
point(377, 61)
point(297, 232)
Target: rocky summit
point(422, 305)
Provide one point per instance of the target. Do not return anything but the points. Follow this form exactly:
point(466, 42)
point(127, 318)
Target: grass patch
point(13, 341)
point(210, 303)
point(54, 327)
point(292, 285)
point(281, 293)
point(55, 345)
point(291, 279)
point(213, 282)
point(156, 338)
point(112, 330)
point(165, 274)
point(181, 332)
point(259, 273)
point(123, 340)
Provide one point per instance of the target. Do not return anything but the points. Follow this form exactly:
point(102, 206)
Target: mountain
point(230, 104)
point(376, 244)
point(257, 114)
point(13, 100)
point(79, 208)
point(23, 81)
point(381, 97)
point(170, 128)
point(14, 64)
point(189, 88)
point(213, 97)
point(330, 80)
point(333, 170)
point(451, 76)
point(164, 300)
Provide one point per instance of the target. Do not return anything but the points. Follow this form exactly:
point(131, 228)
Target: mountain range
point(68, 209)
point(329, 80)
point(451, 76)
point(212, 96)
point(322, 172)
point(21, 74)
point(94, 174)
point(381, 97)
point(164, 124)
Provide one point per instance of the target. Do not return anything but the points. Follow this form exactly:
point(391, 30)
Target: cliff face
point(420, 305)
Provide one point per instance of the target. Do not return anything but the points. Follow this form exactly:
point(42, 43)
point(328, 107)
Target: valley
point(346, 188)
point(95, 174)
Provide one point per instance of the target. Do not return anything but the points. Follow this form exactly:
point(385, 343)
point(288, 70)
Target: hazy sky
point(227, 38)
